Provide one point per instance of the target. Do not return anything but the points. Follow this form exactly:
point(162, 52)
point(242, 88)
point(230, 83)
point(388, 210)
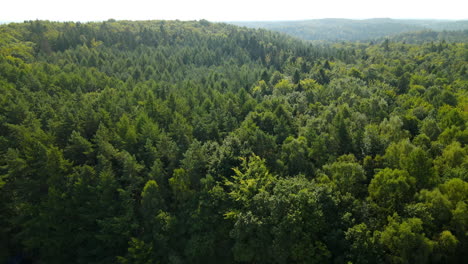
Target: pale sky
point(228, 10)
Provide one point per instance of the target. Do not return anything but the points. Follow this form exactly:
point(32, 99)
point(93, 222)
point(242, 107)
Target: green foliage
point(138, 253)
point(199, 142)
point(282, 225)
point(391, 189)
point(363, 245)
point(251, 178)
point(405, 242)
point(348, 175)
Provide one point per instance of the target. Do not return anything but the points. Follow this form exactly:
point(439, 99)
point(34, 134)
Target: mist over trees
point(365, 30)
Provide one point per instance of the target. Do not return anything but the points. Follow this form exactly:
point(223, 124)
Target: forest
point(363, 30)
point(145, 142)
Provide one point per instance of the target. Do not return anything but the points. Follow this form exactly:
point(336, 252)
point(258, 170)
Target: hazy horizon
point(229, 11)
point(242, 21)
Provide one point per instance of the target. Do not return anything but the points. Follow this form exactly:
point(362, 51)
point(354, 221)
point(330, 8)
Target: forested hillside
point(336, 30)
point(197, 142)
point(421, 37)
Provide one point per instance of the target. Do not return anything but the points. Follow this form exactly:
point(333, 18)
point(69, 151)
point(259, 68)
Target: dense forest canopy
point(332, 29)
point(198, 142)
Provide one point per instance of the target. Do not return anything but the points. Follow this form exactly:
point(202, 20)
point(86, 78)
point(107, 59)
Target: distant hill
point(425, 36)
point(354, 30)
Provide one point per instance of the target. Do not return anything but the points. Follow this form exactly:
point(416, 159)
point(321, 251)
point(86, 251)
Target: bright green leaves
point(445, 215)
point(450, 116)
point(391, 189)
point(373, 143)
point(151, 200)
point(180, 185)
point(419, 165)
point(404, 241)
point(138, 253)
point(446, 245)
point(459, 219)
point(348, 175)
point(414, 160)
point(283, 87)
point(281, 224)
point(363, 247)
point(250, 179)
point(453, 162)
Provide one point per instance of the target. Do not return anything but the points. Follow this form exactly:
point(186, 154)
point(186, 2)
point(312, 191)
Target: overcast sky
point(228, 10)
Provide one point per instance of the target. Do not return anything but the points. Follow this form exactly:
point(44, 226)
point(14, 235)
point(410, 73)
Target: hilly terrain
point(197, 142)
point(355, 30)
